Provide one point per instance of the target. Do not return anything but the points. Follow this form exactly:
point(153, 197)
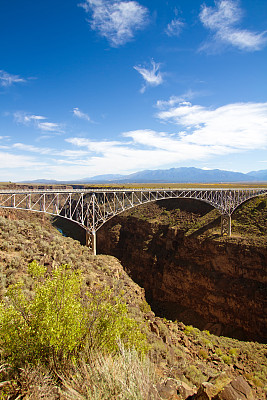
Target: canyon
point(201, 279)
point(186, 270)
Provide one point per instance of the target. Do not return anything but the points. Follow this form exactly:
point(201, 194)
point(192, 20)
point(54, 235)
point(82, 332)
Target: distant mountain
point(106, 177)
point(186, 175)
point(259, 175)
point(172, 175)
point(43, 181)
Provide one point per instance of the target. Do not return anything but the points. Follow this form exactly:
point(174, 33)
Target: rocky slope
point(184, 357)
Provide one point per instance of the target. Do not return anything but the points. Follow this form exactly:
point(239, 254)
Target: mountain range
point(172, 175)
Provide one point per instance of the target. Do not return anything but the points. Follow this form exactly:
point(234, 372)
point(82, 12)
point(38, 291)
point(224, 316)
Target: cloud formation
point(9, 160)
point(37, 122)
point(50, 151)
point(238, 126)
point(152, 77)
point(7, 79)
point(222, 20)
point(203, 133)
point(197, 134)
point(116, 20)
point(79, 114)
point(173, 100)
point(174, 28)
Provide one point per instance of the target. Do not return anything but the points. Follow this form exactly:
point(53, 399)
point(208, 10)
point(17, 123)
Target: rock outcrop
point(225, 388)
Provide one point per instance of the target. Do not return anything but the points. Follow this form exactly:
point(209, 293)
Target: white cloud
point(73, 153)
point(4, 138)
point(198, 134)
point(49, 126)
point(37, 122)
point(173, 100)
point(7, 79)
point(174, 28)
point(222, 20)
point(49, 151)
point(9, 160)
point(205, 133)
point(78, 113)
point(240, 126)
point(146, 149)
point(152, 77)
point(30, 148)
point(95, 146)
point(116, 20)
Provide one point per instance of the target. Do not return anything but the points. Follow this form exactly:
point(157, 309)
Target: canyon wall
point(218, 285)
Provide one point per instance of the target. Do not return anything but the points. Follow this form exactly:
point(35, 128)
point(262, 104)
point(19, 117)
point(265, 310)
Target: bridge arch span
point(91, 208)
point(120, 211)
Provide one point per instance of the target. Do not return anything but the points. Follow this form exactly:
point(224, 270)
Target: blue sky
point(91, 87)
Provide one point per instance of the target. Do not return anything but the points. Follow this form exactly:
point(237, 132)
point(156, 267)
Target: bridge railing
point(91, 208)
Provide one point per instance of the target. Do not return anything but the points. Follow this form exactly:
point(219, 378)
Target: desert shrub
point(5, 246)
point(190, 330)
point(203, 354)
point(60, 319)
point(234, 352)
point(125, 376)
point(207, 343)
point(257, 381)
point(10, 275)
point(219, 352)
point(194, 374)
point(226, 359)
point(158, 350)
point(144, 307)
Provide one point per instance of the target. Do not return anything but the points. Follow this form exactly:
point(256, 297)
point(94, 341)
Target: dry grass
point(123, 377)
point(95, 377)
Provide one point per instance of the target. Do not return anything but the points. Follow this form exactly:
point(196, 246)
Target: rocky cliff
point(214, 284)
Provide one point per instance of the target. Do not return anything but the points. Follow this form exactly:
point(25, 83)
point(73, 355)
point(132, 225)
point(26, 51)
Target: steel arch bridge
point(91, 208)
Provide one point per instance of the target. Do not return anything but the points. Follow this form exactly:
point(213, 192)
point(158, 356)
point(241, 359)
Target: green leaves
point(59, 321)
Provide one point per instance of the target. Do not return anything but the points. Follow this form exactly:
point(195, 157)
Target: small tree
point(58, 321)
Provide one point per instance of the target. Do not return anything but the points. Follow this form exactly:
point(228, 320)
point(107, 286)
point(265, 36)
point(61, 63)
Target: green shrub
point(207, 343)
point(203, 354)
point(219, 352)
point(60, 320)
point(190, 330)
point(144, 307)
point(234, 352)
point(194, 374)
point(226, 359)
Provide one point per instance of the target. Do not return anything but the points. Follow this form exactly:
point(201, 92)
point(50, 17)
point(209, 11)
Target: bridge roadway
point(91, 208)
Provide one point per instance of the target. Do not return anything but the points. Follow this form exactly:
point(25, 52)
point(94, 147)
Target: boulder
point(237, 389)
point(185, 390)
point(225, 388)
point(168, 389)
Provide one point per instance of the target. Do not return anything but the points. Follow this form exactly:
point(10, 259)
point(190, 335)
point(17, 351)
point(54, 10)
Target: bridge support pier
point(91, 241)
point(226, 225)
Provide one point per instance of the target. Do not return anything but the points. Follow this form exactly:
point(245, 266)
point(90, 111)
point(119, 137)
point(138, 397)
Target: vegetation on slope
point(177, 352)
point(249, 220)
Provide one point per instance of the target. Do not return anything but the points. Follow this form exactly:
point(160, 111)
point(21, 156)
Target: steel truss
point(91, 208)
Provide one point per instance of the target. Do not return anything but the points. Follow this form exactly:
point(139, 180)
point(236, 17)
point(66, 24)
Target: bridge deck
point(91, 207)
